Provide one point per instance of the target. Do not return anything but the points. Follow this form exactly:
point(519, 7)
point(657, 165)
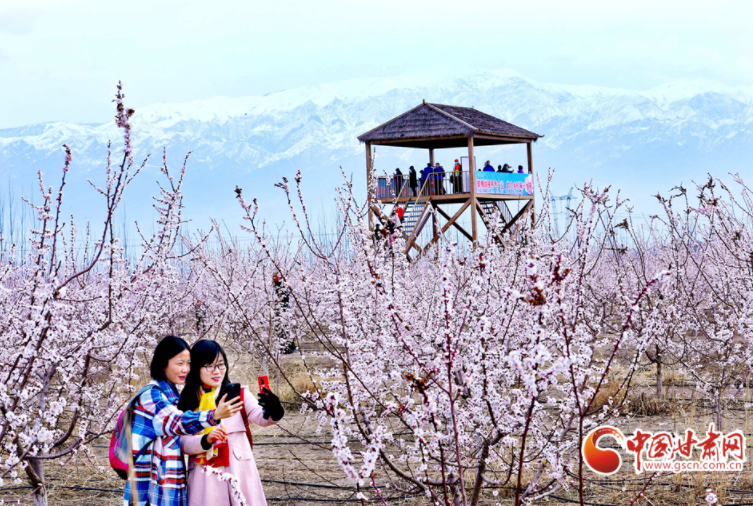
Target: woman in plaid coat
point(160, 472)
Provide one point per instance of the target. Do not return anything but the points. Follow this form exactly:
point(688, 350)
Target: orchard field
point(467, 376)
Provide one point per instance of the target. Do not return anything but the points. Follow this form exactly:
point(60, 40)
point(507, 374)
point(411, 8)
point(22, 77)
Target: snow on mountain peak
point(433, 84)
point(221, 109)
point(635, 137)
point(264, 129)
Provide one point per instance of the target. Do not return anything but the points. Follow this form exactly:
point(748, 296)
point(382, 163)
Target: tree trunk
point(718, 410)
point(36, 477)
point(659, 386)
point(457, 496)
point(480, 475)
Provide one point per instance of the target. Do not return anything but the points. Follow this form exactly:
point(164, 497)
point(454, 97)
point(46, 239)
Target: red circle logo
point(600, 460)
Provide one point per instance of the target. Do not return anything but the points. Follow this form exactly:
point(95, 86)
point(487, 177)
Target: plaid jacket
point(160, 472)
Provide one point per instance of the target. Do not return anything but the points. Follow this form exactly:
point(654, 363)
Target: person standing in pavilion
point(427, 175)
point(458, 182)
point(413, 181)
point(397, 181)
point(439, 174)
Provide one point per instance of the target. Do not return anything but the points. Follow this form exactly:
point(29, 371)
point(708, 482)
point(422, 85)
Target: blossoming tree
point(78, 322)
point(460, 371)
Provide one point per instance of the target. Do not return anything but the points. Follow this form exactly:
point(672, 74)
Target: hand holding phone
point(263, 383)
point(269, 402)
point(226, 409)
point(233, 390)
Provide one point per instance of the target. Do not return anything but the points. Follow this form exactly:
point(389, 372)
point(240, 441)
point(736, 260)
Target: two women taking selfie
point(201, 422)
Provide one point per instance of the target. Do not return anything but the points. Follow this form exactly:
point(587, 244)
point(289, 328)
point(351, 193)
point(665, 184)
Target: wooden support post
point(368, 184)
point(431, 157)
point(526, 208)
point(529, 147)
point(374, 210)
point(530, 158)
point(434, 224)
point(472, 169)
point(515, 230)
point(450, 222)
point(455, 223)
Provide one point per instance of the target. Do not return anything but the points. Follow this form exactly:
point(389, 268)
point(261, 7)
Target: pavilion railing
point(448, 183)
point(387, 187)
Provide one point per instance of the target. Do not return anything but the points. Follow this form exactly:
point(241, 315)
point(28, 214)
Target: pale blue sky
point(60, 60)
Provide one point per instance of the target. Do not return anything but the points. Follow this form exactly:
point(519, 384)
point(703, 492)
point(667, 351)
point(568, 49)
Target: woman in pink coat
point(227, 447)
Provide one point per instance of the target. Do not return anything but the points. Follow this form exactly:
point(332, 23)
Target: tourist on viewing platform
point(458, 174)
point(397, 181)
point(520, 169)
point(506, 168)
point(488, 167)
point(413, 181)
point(400, 212)
point(499, 168)
point(439, 174)
point(425, 175)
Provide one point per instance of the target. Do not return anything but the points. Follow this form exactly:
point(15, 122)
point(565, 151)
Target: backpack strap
point(246, 423)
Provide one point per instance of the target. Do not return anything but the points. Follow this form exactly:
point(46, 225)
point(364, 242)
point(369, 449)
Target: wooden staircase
point(413, 212)
point(490, 206)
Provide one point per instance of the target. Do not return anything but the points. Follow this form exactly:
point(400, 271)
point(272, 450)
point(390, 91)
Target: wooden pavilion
point(437, 126)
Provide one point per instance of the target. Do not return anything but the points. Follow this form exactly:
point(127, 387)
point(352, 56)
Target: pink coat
point(206, 489)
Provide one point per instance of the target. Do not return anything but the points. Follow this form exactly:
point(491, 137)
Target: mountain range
point(641, 142)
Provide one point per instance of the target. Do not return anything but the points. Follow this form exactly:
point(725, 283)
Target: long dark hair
point(203, 352)
point(166, 349)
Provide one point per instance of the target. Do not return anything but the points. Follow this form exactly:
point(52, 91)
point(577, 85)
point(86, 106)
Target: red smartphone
point(263, 383)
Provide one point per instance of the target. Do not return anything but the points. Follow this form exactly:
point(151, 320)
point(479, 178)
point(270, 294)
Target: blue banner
point(502, 183)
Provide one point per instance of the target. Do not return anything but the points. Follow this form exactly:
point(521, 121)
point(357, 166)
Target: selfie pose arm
point(168, 420)
point(266, 411)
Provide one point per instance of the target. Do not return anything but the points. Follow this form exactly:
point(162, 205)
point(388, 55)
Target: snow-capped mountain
point(640, 141)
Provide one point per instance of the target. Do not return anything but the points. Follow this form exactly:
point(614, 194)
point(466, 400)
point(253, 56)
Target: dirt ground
point(279, 457)
point(310, 472)
point(299, 472)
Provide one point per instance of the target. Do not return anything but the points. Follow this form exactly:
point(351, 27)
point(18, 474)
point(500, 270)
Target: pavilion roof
point(444, 126)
